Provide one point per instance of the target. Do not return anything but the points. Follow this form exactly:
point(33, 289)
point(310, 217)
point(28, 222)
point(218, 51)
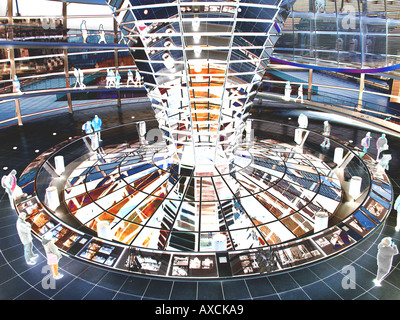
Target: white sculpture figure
point(102, 34)
point(300, 94)
point(383, 162)
point(9, 183)
point(110, 80)
point(320, 4)
point(381, 144)
point(84, 31)
point(141, 129)
point(138, 78)
point(300, 135)
point(288, 91)
point(396, 207)
point(303, 121)
point(366, 141)
point(130, 78)
point(117, 79)
point(81, 78)
point(327, 132)
point(76, 74)
point(16, 84)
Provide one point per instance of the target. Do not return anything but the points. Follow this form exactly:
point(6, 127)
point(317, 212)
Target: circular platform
point(130, 207)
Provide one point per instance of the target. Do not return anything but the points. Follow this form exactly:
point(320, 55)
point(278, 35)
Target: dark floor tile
point(98, 293)
point(13, 288)
point(304, 276)
point(366, 296)
point(125, 296)
point(322, 270)
point(93, 274)
point(283, 282)
point(19, 265)
point(113, 280)
point(159, 289)
point(6, 273)
point(184, 290)
point(210, 291)
point(296, 294)
point(32, 294)
point(75, 290)
point(269, 297)
point(260, 287)
point(72, 266)
point(14, 254)
point(385, 292)
point(235, 290)
point(320, 291)
point(135, 285)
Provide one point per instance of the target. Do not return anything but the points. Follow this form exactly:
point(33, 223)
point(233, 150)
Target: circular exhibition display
point(281, 199)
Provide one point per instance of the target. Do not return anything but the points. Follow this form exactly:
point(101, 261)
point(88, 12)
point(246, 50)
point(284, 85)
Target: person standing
point(53, 255)
point(102, 34)
point(96, 124)
point(396, 207)
point(381, 144)
point(365, 142)
point(130, 78)
point(84, 31)
point(327, 132)
point(25, 235)
point(386, 251)
point(300, 94)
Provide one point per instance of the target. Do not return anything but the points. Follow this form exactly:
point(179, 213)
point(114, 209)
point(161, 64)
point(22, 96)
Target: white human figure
point(385, 159)
point(102, 34)
point(112, 79)
point(9, 183)
point(84, 31)
point(24, 231)
point(16, 84)
point(303, 121)
point(130, 78)
point(76, 74)
point(81, 78)
point(381, 144)
point(141, 129)
point(366, 141)
point(108, 79)
point(138, 78)
point(288, 91)
point(327, 132)
point(396, 207)
point(300, 94)
point(117, 79)
point(386, 250)
point(320, 4)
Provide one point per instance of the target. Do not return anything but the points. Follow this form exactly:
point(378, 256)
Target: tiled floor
point(322, 281)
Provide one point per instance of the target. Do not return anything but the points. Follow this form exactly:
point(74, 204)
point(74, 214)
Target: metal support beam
point(310, 76)
point(361, 92)
point(116, 60)
point(65, 52)
point(11, 56)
